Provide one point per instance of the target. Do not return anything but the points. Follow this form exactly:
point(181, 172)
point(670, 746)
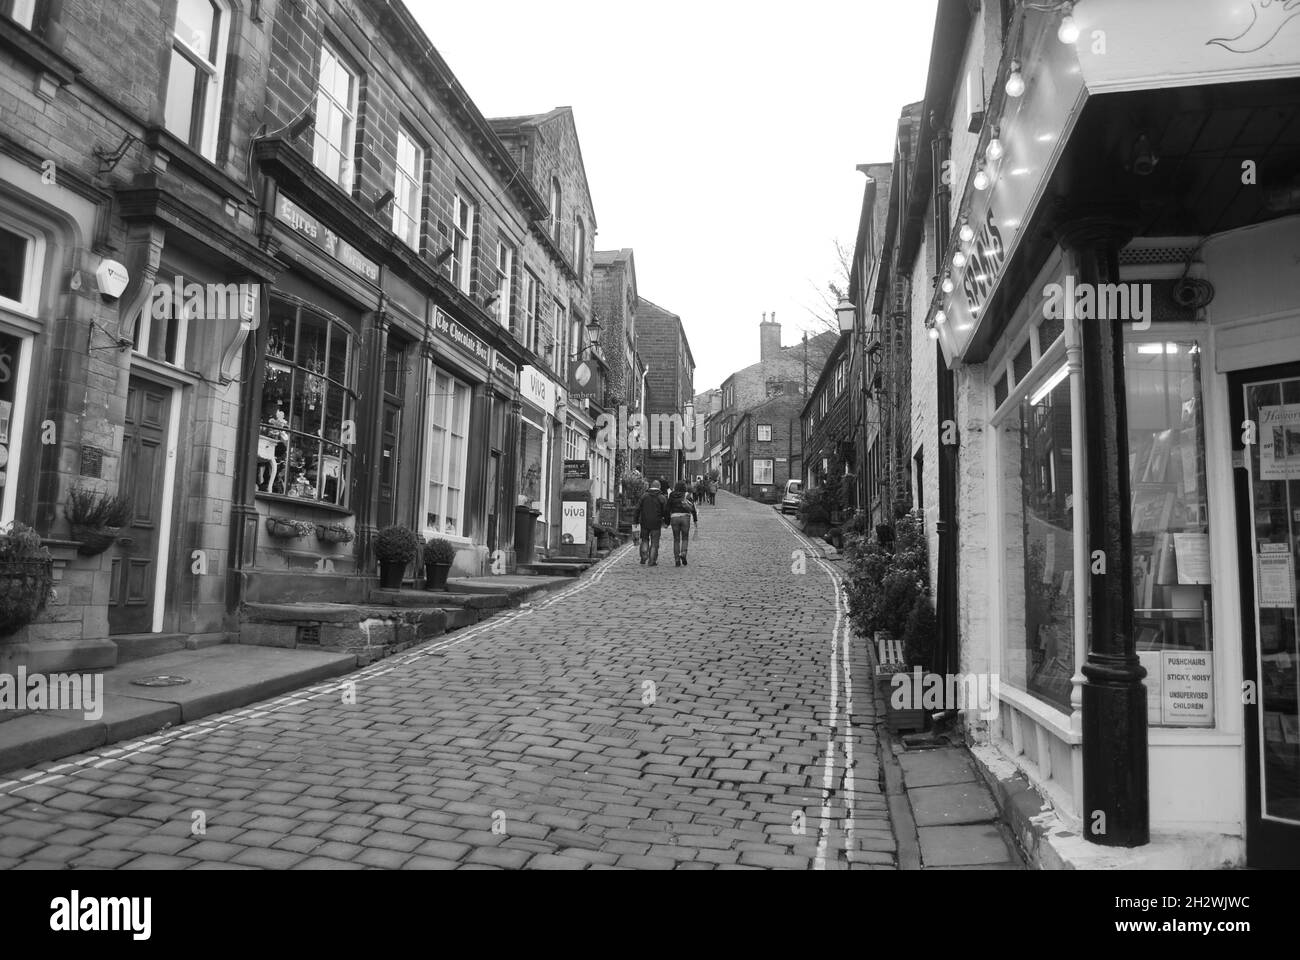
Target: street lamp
point(846, 313)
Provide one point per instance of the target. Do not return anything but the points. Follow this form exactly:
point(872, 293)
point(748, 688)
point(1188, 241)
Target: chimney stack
point(769, 338)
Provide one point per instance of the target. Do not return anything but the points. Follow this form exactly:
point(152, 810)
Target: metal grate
point(309, 636)
point(1131, 256)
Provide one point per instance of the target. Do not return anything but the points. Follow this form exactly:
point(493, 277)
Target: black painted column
point(1116, 791)
point(369, 437)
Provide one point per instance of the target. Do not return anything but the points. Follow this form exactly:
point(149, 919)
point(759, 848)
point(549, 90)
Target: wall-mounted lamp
point(847, 314)
point(1015, 82)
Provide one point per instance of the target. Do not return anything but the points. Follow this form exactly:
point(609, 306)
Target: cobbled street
point(703, 717)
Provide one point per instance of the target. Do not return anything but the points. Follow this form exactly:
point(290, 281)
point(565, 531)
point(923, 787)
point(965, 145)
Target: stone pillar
point(1116, 792)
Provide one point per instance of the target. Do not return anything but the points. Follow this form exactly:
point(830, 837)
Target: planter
point(24, 589)
point(391, 574)
point(333, 533)
point(92, 541)
point(898, 720)
point(435, 575)
point(281, 529)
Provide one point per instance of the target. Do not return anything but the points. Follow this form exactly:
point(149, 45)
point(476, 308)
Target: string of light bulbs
point(993, 151)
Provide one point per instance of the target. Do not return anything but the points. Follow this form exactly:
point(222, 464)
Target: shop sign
point(505, 370)
point(577, 469)
point(323, 238)
point(573, 528)
point(539, 389)
point(454, 333)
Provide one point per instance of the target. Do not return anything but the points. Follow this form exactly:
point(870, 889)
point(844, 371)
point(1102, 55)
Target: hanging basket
point(280, 528)
point(333, 533)
point(93, 541)
point(24, 589)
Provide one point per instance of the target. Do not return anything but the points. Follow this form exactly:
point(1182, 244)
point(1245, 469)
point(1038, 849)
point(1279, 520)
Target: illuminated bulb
point(967, 232)
point(982, 179)
point(994, 150)
point(1015, 82)
point(959, 259)
point(940, 317)
point(1069, 30)
point(934, 333)
point(947, 286)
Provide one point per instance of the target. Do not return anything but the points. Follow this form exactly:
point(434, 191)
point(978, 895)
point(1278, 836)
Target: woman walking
point(681, 510)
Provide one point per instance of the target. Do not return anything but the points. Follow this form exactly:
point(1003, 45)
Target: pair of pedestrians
point(656, 511)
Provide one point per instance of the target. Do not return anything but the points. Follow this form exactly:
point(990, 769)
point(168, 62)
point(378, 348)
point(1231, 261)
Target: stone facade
point(665, 352)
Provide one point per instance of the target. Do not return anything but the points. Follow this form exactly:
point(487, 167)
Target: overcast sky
point(720, 137)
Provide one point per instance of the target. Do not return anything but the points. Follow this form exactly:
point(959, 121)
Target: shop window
point(531, 481)
point(1171, 533)
point(11, 403)
point(22, 12)
point(337, 93)
point(20, 261)
point(408, 190)
point(194, 81)
point(763, 472)
point(444, 506)
point(1037, 496)
point(764, 433)
point(308, 403)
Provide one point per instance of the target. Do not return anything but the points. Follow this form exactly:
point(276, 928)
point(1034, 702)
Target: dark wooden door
point(389, 464)
point(143, 469)
point(1265, 409)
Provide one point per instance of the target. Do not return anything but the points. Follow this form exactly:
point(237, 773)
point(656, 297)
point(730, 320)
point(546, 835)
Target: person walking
point(681, 510)
point(652, 514)
point(713, 492)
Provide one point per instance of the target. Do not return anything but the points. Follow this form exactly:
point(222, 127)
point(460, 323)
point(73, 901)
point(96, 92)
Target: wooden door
point(143, 472)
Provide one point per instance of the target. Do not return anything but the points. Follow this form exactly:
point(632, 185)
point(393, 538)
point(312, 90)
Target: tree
point(830, 294)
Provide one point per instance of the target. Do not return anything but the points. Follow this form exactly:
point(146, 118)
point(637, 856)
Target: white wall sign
point(1187, 683)
point(573, 528)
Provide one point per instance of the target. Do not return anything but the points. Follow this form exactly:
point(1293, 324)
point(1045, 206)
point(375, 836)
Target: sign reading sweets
point(451, 331)
point(323, 238)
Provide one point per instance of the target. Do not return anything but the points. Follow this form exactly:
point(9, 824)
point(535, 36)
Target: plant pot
point(391, 573)
point(331, 534)
point(282, 530)
point(24, 588)
point(435, 575)
point(93, 541)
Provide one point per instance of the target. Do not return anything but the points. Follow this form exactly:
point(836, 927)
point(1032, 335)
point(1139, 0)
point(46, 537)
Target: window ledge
point(36, 52)
point(306, 504)
point(193, 164)
point(1053, 720)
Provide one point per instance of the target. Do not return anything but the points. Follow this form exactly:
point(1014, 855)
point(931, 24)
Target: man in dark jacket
point(652, 514)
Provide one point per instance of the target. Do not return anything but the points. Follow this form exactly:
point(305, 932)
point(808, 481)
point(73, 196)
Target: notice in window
point(1279, 442)
point(1187, 681)
point(1276, 576)
point(1192, 556)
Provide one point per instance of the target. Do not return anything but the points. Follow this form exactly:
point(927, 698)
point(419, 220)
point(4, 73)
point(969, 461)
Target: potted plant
point(395, 547)
point(334, 533)
point(284, 528)
point(26, 573)
point(96, 518)
point(439, 555)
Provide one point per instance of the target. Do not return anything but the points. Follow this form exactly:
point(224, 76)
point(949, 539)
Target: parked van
point(793, 496)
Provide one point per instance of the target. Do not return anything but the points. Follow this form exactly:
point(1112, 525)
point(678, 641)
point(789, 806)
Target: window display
point(1171, 534)
point(1038, 532)
point(307, 399)
point(448, 443)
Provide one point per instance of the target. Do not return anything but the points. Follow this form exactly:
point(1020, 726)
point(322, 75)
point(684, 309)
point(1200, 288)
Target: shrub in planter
point(395, 547)
point(814, 508)
point(439, 555)
point(26, 575)
point(919, 634)
point(283, 528)
point(886, 578)
point(96, 518)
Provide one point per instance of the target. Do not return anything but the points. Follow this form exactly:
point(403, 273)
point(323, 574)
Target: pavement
point(713, 716)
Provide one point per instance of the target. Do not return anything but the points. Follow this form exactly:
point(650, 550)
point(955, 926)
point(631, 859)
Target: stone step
point(553, 568)
point(140, 646)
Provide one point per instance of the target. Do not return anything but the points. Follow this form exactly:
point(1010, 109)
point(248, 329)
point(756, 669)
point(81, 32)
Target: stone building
point(766, 447)
point(669, 378)
point(615, 303)
point(283, 285)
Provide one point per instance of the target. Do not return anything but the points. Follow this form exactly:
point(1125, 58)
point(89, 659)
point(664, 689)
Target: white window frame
point(450, 427)
point(24, 12)
point(19, 369)
point(209, 72)
point(557, 208)
point(325, 104)
point(764, 427)
point(559, 334)
point(770, 471)
point(33, 268)
point(532, 303)
point(505, 282)
point(579, 246)
point(408, 189)
point(462, 241)
point(543, 481)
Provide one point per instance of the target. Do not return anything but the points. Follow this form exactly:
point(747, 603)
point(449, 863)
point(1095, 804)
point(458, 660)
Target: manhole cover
point(160, 681)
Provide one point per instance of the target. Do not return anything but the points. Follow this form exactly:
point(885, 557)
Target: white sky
point(720, 137)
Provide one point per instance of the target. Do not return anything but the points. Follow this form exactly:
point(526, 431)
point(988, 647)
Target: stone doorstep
point(222, 678)
point(1051, 842)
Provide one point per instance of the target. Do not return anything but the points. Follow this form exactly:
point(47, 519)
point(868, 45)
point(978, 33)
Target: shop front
point(537, 481)
point(1125, 328)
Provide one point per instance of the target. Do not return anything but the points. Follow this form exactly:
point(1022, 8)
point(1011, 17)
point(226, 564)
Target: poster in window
point(1276, 576)
point(1279, 442)
point(1187, 685)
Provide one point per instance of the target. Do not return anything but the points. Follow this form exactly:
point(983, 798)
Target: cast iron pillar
point(1115, 765)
